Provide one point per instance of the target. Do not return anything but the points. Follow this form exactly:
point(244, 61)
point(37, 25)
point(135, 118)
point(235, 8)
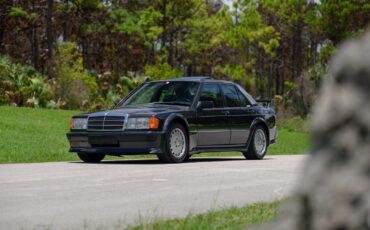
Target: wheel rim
point(260, 141)
point(177, 143)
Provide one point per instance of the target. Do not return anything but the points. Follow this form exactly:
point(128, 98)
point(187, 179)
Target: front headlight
point(78, 123)
point(143, 123)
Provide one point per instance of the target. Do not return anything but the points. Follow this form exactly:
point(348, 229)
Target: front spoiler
point(117, 151)
point(117, 143)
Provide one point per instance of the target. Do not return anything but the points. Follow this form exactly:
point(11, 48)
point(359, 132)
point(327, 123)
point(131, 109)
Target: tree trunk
point(34, 41)
point(170, 50)
point(84, 41)
point(49, 35)
point(85, 52)
point(65, 21)
point(297, 49)
point(4, 11)
point(262, 90)
point(164, 24)
point(297, 62)
point(277, 81)
point(151, 59)
point(269, 79)
point(313, 49)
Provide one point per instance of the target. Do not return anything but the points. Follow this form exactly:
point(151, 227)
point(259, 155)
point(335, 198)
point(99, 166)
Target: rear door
point(212, 123)
point(240, 115)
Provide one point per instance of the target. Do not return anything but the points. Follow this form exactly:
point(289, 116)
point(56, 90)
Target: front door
point(212, 123)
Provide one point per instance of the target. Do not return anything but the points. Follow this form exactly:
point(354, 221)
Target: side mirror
point(205, 105)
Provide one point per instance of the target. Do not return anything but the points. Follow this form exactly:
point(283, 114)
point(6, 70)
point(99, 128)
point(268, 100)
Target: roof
point(189, 78)
point(197, 79)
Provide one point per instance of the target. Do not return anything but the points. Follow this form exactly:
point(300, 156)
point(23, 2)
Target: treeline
point(94, 51)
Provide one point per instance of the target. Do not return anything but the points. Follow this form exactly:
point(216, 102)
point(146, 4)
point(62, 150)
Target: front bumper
point(117, 143)
point(273, 134)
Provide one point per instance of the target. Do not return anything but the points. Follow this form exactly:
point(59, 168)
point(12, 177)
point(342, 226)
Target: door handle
point(226, 112)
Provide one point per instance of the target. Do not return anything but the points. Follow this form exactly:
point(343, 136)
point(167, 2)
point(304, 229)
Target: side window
point(243, 100)
point(231, 95)
point(211, 92)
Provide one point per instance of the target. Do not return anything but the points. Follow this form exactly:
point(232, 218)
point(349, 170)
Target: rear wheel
point(177, 143)
point(258, 146)
point(91, 157)
point(187, 157)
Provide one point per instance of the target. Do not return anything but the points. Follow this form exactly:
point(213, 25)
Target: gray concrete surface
point(73, 195)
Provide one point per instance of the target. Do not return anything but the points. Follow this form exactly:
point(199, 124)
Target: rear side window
point(230, 95)
point(211, 92)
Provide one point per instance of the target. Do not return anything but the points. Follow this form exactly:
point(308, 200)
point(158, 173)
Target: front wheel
point(91, 157)
point(258, 146)
point(177, 143)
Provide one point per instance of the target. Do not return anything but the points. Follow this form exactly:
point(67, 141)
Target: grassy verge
point(34, 135)
point(39, 135)
point(232, 218)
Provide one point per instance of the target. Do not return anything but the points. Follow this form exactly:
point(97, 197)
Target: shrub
point(74, 87)
point(162, 71)
point(129, 82)
point(110, 93)
point(22, 85)
point(38, 93)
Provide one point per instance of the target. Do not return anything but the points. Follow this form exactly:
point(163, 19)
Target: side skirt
point(219, 149)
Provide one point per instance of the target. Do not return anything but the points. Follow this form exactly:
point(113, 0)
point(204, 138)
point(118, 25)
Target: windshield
point(166, 92)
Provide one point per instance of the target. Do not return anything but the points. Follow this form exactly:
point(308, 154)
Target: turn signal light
point(153, 123)
point(71, 123)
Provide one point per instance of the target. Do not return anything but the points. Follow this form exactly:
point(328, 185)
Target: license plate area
point(103, 141)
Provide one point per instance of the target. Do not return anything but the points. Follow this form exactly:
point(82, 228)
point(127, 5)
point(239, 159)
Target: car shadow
point(156, 161)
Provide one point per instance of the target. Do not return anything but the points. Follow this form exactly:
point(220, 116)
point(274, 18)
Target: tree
point(344, 18)
point(265, 45)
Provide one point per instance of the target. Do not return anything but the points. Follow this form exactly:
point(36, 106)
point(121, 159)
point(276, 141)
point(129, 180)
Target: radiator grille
point(106, 123)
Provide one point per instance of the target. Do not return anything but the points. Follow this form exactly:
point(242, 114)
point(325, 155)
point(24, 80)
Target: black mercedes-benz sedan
point(175, 119)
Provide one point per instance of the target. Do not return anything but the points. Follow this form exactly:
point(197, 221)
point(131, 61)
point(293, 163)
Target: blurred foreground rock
point(334, 192)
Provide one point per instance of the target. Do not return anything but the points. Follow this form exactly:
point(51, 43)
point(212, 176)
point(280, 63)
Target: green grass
point(34, 135)
point(231, 218)
point(39, 135)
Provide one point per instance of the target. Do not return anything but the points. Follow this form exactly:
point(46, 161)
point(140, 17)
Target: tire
point(187, 158)
point(177, 145)
point(258, 146)
point(91, 157)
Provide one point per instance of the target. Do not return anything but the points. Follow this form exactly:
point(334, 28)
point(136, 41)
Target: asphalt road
point(73, 195)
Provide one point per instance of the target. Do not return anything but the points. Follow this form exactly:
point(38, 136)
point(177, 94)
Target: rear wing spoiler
point(265, 102)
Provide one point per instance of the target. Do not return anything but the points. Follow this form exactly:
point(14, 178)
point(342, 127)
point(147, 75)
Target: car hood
point(141, 110)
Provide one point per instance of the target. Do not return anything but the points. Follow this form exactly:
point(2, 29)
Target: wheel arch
point(176, 118)
point(171, 119)
point(256, 122)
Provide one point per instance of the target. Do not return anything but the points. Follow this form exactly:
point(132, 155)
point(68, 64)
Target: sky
point(228, 2)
